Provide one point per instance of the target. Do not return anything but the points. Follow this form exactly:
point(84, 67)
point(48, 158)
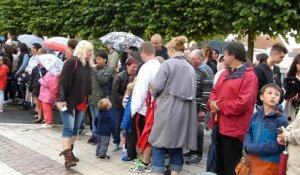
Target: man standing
point(112, 62)
point(160, 50)
point(268, 72)
point(204, 82)
point(138, 103)
point(231, 103)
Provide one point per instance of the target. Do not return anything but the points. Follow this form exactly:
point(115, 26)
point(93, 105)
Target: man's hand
point(214, 106)
point(201, 116)
point(60, 105)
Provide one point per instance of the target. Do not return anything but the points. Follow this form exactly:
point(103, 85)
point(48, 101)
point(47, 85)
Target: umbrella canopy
point(51, 63)
point(121, 40)
point(219, 45)
point(57, 43)
point(30, 39)
point(33, 61)
point(212, 155)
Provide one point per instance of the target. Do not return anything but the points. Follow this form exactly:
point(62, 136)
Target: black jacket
point(119, 87)
point(213, 65)
point(266, 75)
point(33, 82)
point(291, 86)
point(163, 53)
point(75, 83)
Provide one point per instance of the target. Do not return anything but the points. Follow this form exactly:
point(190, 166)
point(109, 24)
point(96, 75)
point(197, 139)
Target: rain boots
point(74, 158)
point(69, 158)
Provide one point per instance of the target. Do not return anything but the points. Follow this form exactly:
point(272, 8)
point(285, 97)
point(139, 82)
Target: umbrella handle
point(216, 117)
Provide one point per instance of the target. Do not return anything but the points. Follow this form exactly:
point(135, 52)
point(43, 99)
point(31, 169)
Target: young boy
point(104, 128)
point(126, 126)
point(260, 141)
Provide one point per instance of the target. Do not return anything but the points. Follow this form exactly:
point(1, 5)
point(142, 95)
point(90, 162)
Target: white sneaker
point(1, 110)
point(45, 125)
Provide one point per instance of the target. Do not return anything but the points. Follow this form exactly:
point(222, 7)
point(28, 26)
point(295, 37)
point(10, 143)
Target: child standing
point(104, 128)
point(4, 70)
point(261, 139)
point(126, 126)
point(48, 96)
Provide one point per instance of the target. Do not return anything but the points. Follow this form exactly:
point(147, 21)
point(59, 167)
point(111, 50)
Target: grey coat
point(175, 119)
point(100, 78)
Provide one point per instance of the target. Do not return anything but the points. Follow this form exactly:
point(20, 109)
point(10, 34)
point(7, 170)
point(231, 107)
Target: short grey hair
point(197, 53)
point(158, 36)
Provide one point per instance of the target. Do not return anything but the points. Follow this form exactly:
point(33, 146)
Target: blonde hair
point(130, 87)
point(177, 43)
point(104, 104)
point(81, 52)
point(42, 51)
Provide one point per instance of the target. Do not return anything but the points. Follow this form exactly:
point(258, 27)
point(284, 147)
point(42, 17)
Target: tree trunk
point(250, 51)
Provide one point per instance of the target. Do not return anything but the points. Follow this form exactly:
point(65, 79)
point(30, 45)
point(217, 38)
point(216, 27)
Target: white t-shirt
point(144, 77)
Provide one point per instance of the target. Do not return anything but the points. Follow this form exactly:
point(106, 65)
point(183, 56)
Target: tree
point(197, 19)
point(255, 17)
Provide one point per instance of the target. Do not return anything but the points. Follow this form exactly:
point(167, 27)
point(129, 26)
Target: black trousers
point(200, 140)
point(229, 154)
point(137, 124)
point(131, 145)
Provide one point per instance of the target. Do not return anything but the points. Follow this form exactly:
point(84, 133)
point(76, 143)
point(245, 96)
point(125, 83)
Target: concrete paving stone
point(48, 145)
point(14, 173)
point(33, 162)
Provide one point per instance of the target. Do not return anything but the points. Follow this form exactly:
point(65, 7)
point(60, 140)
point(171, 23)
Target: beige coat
point(293, 164)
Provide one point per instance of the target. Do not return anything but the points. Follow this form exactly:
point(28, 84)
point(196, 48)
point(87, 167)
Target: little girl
point(4, 70)
point(48, 96)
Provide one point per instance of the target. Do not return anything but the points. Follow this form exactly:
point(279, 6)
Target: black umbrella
point(219, 45)
point(212, 155)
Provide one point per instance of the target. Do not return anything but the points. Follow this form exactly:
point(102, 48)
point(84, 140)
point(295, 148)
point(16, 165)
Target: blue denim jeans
point(118, 116)
point(158, 159)
point(71, 122)
point(94, 112)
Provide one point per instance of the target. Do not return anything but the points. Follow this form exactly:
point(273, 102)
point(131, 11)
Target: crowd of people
point(161, 98)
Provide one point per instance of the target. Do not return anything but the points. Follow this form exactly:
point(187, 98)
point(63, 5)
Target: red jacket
point(237, 94)
point(4, 69)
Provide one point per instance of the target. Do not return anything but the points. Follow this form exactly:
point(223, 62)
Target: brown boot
point(69, 162)
point(74, 158)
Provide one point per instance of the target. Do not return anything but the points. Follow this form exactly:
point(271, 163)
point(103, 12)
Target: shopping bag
point(243, 167)
point(283, 161)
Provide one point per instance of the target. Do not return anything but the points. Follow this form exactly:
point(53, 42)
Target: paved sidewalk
point(28, 149)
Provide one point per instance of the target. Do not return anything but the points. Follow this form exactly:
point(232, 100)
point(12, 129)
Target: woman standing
point(291, 136)
point(21, 65)
point(75, 85)
point(119, 86)
point(175, 118)
point(292, 87)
